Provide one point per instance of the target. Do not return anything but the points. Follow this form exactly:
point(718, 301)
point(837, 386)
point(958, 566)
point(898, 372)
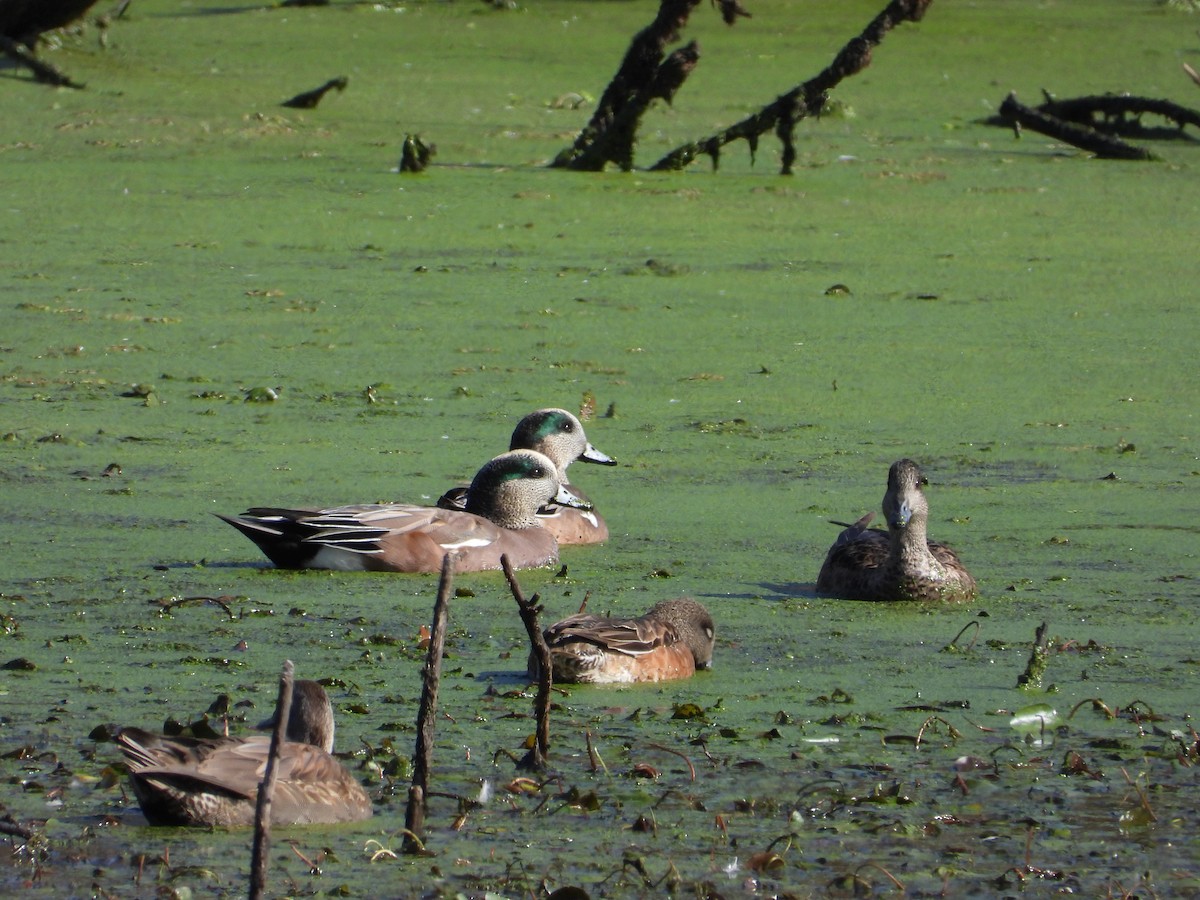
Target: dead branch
point(11, 827)
point(43, 72)
point(414, 817)
point(310, 99)
point(529, 610)
point(262, 810)
point(1121, 114)
point(786, 111)
point(643, 77)
point(1081, 136)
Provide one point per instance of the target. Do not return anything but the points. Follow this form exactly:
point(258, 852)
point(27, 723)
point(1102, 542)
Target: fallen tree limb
point(1121, 114)
point(807, 99)
point(1104, 146)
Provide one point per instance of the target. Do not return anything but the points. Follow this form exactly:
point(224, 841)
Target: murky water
point(1019, 320)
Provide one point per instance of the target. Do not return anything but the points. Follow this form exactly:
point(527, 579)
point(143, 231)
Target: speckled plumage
point(672, 640)
point(901, 563)
point(194, 781)
point(559, 435)
point(499, 518)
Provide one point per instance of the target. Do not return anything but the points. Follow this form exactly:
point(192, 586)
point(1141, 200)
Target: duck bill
point(592, 455)
point(901, 516)
point(565, 498)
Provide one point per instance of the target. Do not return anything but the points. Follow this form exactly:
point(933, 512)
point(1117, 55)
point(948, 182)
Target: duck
point(900, 563)
point(500, 518)
point(214, 781)
point(559, 435)
point(673, 640)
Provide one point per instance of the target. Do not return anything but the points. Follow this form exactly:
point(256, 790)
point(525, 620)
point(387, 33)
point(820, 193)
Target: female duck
point(192, 781)
point(672, 640)
point(559, 435)
point(500, 518)
point(901, 563)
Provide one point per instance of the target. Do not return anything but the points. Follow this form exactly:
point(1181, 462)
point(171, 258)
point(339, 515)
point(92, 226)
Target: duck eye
point(537, 472)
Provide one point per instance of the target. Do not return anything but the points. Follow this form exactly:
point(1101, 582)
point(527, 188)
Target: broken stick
point(414, 817)
point(529, 609)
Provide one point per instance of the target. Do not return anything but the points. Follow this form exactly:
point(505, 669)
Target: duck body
point(673, 640)
point(501, 518)
point(214, 782)
point(558, 435)
point(901, 563)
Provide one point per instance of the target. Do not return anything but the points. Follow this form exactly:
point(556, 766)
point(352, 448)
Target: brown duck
point(673, 640)
point(901, 563)
point(194, 781)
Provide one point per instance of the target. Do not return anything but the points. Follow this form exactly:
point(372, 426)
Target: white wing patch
point(469, 542)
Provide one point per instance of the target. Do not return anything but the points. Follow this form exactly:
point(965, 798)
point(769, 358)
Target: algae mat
point(212, 302)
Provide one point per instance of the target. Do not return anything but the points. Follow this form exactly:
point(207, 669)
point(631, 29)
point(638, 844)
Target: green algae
point(1016, 318)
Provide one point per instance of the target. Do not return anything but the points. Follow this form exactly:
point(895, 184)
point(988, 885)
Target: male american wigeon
point(559, 435)
point(901, 563)
point(500, 518)
point(672, 640)
point(193, 781)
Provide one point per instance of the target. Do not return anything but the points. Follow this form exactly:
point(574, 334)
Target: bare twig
point(974, 623)
point(529, 610)
point(262, 812)
point(691, 768)
point(414, 819)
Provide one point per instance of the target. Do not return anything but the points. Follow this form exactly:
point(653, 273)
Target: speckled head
point(559, 435)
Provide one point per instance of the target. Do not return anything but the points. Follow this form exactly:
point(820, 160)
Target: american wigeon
point(672, 640)
point(500, 518)
point(559, 435)
point(193, 781)
point(901, 563)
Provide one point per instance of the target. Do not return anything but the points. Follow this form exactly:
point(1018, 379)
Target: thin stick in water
point(262, 812)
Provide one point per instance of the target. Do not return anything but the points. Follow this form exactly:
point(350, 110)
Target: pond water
point(179, 249)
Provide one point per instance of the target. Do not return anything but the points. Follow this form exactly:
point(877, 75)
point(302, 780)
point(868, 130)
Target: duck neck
point(909, 543)
point(499, 514)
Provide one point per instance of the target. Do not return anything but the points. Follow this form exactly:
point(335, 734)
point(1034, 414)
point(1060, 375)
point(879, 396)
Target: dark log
point(1080, 136)
point(1121, 114)
point(782, 114)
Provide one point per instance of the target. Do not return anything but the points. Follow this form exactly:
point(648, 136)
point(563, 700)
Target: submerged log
point(1121, 114)
point(1085, 138)
point(783, 114)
